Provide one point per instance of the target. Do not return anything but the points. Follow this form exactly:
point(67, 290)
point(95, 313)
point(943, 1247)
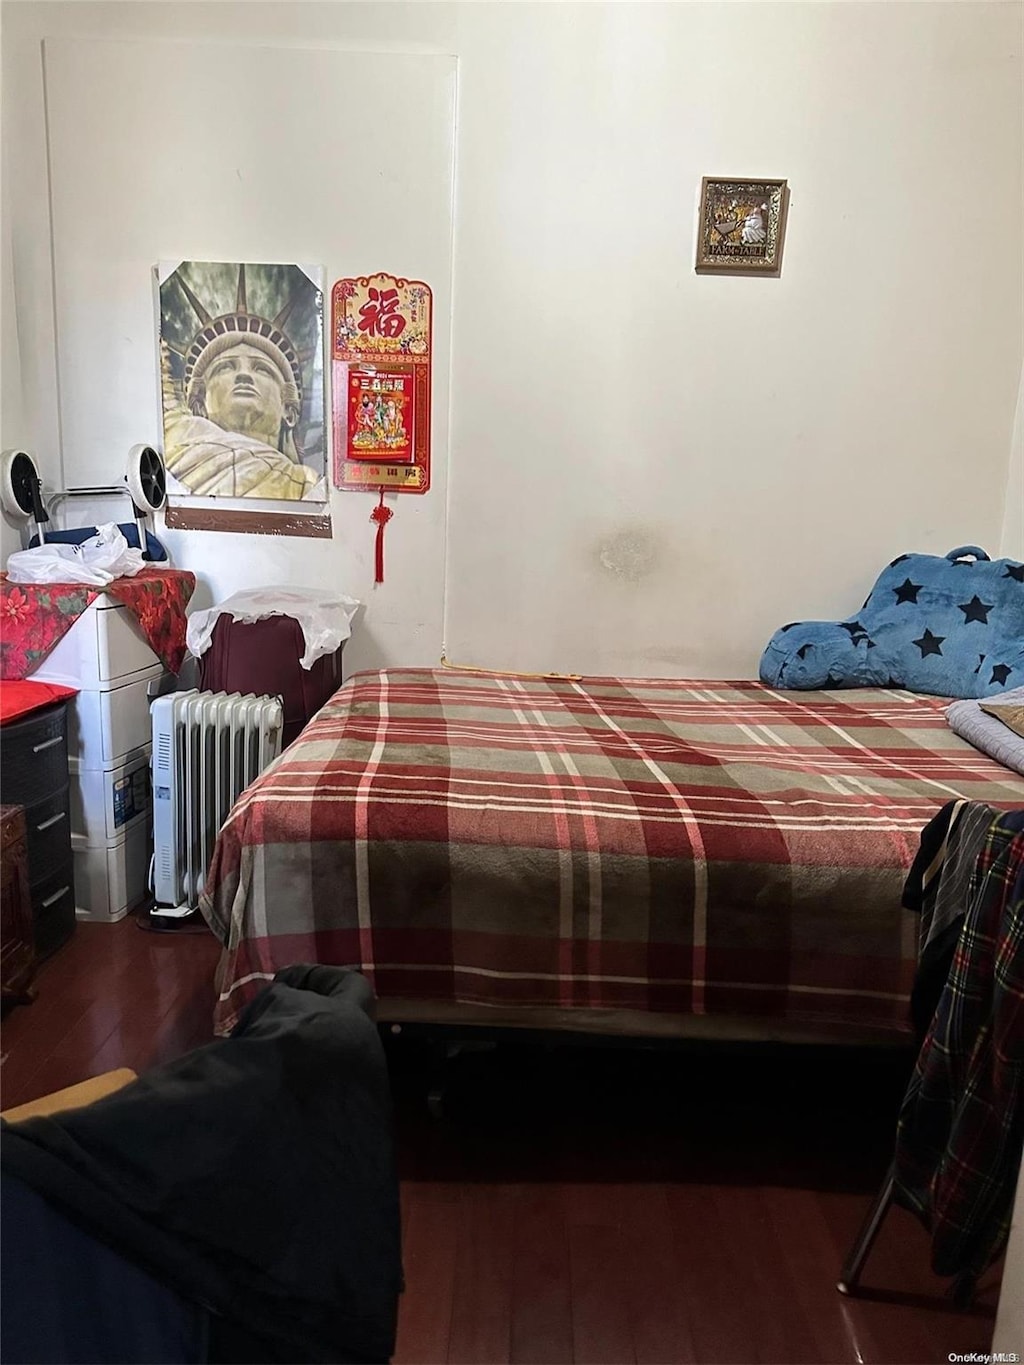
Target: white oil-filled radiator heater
point(207, 748)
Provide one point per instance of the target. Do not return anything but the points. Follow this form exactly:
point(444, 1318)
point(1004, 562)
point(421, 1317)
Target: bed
point(634, 856)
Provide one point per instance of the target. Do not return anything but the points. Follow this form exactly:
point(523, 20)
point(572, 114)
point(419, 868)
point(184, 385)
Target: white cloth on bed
point(986, 732)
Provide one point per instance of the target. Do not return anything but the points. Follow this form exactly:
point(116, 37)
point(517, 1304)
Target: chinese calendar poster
point(381, 343)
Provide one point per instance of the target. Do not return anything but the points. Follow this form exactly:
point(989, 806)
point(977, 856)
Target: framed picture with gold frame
point(741, 226)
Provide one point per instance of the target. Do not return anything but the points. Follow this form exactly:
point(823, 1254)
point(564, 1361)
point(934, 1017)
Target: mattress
point(608, 846)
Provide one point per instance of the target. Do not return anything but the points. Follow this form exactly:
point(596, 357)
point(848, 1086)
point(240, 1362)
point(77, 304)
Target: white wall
point(1009, 1328)
point(27, 360)
point(238, 186)
point(696, 460)
point(649, 470)
point(10, 371)
point(1013, 517)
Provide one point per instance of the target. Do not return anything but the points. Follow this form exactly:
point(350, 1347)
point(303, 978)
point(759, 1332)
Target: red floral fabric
point(158, 598)
point(34, 616)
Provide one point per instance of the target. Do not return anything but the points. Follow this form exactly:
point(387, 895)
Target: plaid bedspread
point(681, 847)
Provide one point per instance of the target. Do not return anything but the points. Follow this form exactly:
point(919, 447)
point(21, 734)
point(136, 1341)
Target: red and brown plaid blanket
point(626, 844)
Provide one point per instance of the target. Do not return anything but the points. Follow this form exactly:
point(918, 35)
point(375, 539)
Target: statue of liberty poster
point(242, 380)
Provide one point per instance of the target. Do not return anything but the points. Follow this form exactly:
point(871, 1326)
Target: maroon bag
point(263, 657)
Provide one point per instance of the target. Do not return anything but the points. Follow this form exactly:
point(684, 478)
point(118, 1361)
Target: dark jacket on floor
point(254, 1176)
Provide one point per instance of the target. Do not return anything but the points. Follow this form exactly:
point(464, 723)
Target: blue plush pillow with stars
point(950, 626)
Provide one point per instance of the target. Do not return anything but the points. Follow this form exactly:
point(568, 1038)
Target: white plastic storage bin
point(104, 646)
point(107, 802)
point(111, 879)
point(105, 727)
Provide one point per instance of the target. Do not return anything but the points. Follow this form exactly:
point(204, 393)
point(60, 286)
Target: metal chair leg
point(849, 1276)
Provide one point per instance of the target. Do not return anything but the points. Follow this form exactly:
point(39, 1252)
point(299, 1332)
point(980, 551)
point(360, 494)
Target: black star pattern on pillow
point(975, 610)
point(1015, 571)
point(857, 631)
point(929, 643)
point(981, 660)
point(802, 651)
point(1000, 673)
point(907, 591)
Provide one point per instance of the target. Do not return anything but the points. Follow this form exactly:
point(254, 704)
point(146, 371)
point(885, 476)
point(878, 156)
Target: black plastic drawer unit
point(34, 775)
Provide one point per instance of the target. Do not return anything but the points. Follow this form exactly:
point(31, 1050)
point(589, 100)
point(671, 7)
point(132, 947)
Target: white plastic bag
point(96, 562)
point(325, 617)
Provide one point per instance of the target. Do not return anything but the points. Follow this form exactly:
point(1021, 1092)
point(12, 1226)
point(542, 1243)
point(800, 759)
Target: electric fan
point(147, 484)
point(21, 489)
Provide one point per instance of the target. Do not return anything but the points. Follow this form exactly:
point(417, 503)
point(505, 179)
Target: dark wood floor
point(589, 1205)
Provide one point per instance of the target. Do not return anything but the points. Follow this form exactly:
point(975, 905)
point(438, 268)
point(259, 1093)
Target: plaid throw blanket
point(961, 1125)
point(681, 847)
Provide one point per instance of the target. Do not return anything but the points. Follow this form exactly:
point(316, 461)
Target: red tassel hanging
point(381, 515)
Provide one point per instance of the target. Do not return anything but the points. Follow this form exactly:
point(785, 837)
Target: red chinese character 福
point(380, 316)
